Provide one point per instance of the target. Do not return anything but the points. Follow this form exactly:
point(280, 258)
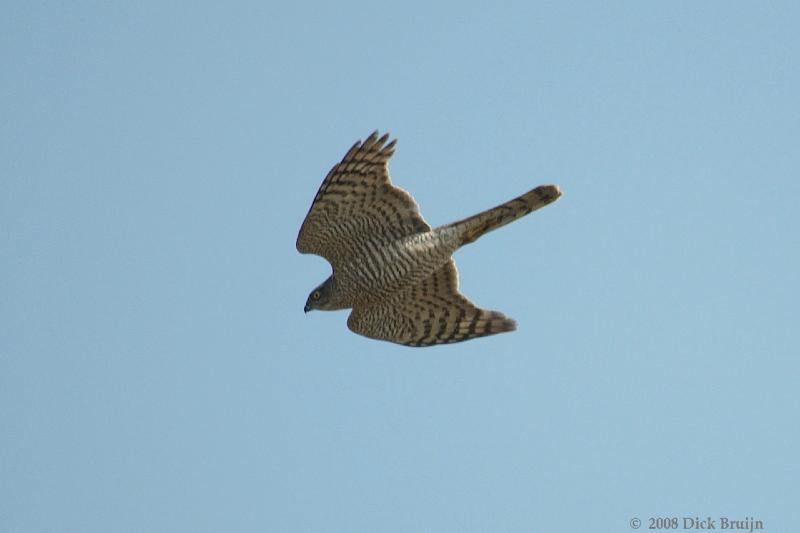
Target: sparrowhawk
point(394, 271)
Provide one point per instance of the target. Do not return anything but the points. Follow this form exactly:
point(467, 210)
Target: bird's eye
point(316, 295)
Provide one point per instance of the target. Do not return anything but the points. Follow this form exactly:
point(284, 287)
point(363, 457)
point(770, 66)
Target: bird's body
point(384, 268)
point(389, 266)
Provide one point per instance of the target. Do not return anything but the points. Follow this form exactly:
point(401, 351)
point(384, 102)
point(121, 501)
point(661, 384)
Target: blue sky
point(157, 372)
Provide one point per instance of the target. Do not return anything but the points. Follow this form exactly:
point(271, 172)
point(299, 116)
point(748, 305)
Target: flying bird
point(394, 271)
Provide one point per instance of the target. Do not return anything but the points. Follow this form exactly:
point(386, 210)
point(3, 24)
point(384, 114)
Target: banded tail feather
point(477, 225)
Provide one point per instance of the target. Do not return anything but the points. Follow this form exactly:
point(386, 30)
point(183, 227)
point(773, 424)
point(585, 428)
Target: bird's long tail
point(475, 226)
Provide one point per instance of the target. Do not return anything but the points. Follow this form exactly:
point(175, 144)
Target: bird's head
point(320, 298)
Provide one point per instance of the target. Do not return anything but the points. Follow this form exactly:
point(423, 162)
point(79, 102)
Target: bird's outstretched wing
point(357, 203)
point(431, 312)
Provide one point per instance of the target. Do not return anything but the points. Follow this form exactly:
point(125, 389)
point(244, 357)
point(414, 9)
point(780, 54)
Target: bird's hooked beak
point(307, 308)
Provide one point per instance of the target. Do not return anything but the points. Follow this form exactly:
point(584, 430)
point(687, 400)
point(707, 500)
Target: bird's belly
point(382, 270)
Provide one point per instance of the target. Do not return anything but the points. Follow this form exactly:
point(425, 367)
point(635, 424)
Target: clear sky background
point(157, 372)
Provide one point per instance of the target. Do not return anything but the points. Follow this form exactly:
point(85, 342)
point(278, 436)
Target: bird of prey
point(394, 271)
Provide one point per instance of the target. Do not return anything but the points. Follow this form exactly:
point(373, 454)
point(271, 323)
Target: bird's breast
point(381, 269)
